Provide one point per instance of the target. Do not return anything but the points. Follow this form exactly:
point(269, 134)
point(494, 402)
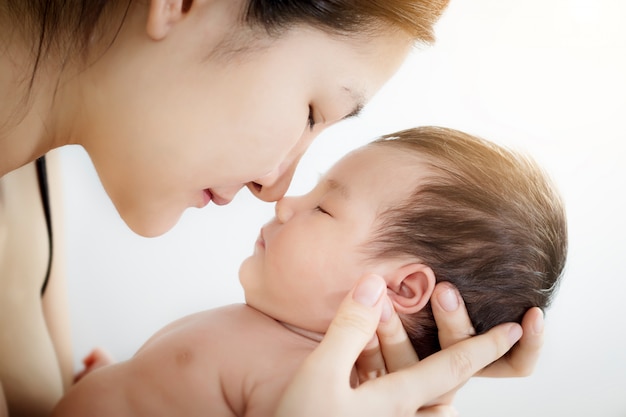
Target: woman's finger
point(443, 371)
point(397, 351)
point(454, 325)
point(521, 360)
point(371, 364)
point(450, 314)
point(354, 325)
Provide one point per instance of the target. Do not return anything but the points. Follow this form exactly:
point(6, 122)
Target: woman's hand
point(322, 385)
point(454, 325)
point(391, 350)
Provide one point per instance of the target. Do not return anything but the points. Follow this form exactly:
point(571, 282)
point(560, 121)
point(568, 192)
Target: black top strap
point(42, 176)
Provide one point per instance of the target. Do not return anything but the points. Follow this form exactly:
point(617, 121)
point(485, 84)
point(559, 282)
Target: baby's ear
point(409, 287)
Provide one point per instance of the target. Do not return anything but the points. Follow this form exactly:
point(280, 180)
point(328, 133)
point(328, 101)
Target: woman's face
point(169, 125)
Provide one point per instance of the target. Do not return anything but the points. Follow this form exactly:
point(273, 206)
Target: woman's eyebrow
point(359, 99)
point(355, 112)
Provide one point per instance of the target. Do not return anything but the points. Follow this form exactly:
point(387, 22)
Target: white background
point(546, 76)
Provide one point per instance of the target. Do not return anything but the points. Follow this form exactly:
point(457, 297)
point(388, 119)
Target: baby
point(416, 207)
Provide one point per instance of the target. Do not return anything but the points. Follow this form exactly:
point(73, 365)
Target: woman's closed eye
point(311, 120)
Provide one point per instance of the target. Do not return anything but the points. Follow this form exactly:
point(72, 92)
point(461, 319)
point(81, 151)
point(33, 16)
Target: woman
point(180, 103)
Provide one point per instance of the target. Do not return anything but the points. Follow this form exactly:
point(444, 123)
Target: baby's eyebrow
point(342, 189)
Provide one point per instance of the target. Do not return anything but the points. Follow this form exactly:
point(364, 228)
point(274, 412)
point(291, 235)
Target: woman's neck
point(41, 96)
point(22, 123)
point(29, 109)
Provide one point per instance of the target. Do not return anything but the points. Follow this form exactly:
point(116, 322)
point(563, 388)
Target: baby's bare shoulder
point(213, 358)
point(229, 322)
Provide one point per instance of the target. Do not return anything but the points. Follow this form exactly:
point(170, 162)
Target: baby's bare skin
point(189, 369)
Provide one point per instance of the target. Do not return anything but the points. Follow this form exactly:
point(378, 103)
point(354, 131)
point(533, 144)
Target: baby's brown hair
point(486, 219)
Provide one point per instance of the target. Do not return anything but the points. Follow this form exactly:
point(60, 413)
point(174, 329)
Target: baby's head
point(486, 219)
point(417, 207)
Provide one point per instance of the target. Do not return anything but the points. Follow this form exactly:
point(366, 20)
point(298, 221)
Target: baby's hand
point(96, 359)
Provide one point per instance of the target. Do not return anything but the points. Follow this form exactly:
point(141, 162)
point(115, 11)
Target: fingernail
point(369, 290)
point(515, 332)
point(448, 300)
point(538, 326)
point(385, 315)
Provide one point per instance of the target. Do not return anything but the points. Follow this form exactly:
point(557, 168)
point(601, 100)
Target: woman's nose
point(269, 179)
point(274, 185)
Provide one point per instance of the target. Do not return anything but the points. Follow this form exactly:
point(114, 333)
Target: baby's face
point(312, 253)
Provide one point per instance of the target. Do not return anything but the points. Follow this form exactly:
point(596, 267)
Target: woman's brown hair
point(415, 17)
point(63, 30)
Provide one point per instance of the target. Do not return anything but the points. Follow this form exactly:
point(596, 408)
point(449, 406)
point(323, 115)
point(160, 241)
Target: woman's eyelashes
point(311, 120)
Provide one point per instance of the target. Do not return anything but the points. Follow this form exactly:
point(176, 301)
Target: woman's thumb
point(353, 326)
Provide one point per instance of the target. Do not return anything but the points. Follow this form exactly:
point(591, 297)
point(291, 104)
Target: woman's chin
point(151, 225)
